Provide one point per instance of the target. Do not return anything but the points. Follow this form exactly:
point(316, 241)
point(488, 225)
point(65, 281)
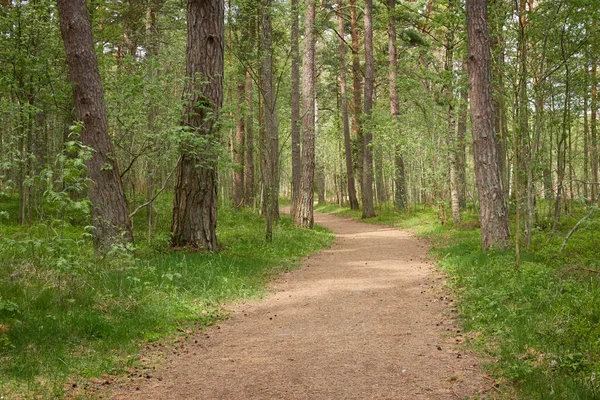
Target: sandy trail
point(361, 320)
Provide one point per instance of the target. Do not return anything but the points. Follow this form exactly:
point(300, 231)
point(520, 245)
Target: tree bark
point(110, 218)
point(368, 209)
point(271, 143)
point(345, 119)
point(238, 147)
point(594, 125)
point(399, 173)
point(296, 160)
point(449, 68)
point(249, 145)
point(195, 204)
point(357, 121)
point(461, 152)
point(493, 213)
point(304, 212)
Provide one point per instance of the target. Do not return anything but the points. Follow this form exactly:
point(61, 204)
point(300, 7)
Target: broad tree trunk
point(304, 212)
point(296, 160)
point(110, 217)
point(195, 204)
point(368, 209)
point(493, 213)
point(345, 119)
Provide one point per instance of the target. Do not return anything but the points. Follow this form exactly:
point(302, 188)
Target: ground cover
point(65, 313)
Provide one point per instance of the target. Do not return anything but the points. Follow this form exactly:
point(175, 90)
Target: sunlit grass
point(66, 314)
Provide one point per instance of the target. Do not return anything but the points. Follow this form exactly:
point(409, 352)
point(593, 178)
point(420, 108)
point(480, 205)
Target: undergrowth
point(540, 323)
point(65, 314)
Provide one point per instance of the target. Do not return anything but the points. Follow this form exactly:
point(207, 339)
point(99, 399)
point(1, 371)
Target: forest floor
point(368, 318)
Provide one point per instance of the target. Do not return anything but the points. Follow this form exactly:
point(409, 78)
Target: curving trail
point(365, 319)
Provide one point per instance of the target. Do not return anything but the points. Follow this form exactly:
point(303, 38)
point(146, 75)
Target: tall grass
point(65, 313)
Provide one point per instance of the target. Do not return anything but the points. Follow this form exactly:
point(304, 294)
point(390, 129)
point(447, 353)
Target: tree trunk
point(368, 209)
point(357, 121)
point(399, 173)
point(461, 144)
point(195, 204)
point(296, 160)
point(345, 119)
point(586, 145)
point(594, 127)
point(110, 218)
point(493, 213)
point(304, 213)
point(238, 148)
point(449, 68)
point(249, 148)
point(270, 150)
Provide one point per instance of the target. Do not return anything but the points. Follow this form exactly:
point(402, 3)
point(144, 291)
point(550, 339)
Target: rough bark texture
point(461, 144)
point(357, 126)
point(195, 204)
point(304, 212)
point(110, 217)
point(238, 148)
point(345, 118)
point(296, 160)
point(400, 198)
point(493, 213)
point(368, 209)
point(449, 68)
point(270, 171)
point(249, 145)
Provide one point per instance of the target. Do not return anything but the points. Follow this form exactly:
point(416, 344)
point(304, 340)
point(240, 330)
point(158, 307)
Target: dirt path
point(362, 320)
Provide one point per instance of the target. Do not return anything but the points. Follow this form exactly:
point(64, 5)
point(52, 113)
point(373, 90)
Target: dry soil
point(365, 319)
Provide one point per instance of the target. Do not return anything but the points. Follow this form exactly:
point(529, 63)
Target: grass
point(67, 315)
point(540, 323)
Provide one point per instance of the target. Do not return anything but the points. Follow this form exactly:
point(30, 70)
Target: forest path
point(365, 319)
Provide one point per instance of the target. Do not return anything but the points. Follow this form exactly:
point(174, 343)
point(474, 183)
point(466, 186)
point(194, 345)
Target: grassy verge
point(541, 322)
point(66, 314)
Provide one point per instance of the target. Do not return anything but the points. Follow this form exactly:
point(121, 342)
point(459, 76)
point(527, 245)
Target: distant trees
point(379, 107)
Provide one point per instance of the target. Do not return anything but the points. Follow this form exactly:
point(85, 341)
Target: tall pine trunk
point(296, 160)
point(368, 209)
point(345, 118)
point(493, 213)
point(270, 151)
point(357, 121)
point(304, 211)
point(400, 198)
point(195, 204)
point(238, 145)
point(110, 217)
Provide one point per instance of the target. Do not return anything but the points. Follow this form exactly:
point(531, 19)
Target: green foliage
point(64, 314)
